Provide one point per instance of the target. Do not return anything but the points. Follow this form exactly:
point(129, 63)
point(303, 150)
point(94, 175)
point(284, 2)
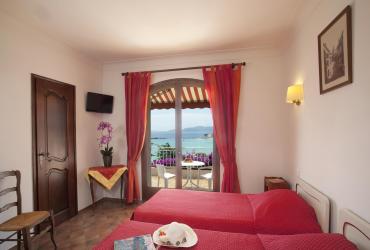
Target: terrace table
point(189, 166)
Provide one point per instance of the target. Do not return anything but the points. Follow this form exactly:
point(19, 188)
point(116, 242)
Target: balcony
point(196, 168)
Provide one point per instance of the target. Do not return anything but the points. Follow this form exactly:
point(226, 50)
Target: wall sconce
point(295, 94)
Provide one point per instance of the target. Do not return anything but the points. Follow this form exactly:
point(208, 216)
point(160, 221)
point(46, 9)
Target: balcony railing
point(167, 155)
point(198, 176)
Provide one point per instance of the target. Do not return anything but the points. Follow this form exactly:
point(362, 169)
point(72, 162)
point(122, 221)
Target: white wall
point(331, 131)
point(261, 134)
point(325, 141)
point(24, 51)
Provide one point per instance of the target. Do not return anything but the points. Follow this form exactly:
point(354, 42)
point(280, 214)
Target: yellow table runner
point(107, 176)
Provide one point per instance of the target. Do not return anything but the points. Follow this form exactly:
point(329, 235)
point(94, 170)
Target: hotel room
point(164, 124)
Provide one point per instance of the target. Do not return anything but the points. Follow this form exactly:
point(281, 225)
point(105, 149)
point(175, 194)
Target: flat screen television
point(99, 103)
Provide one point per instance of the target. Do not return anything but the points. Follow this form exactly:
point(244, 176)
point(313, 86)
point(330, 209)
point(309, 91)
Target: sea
point(194, 140)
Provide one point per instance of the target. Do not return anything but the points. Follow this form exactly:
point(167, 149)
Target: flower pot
point(107, 159)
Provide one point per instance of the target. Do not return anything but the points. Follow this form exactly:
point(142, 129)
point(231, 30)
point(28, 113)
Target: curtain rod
point(188, 68)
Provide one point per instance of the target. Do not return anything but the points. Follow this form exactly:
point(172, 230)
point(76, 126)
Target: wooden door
point(54, 147)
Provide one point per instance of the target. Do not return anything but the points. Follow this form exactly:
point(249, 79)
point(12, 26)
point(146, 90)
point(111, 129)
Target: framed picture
point(335, 53)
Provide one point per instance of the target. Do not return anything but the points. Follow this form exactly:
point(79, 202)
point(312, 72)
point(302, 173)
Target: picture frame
point(335, 53)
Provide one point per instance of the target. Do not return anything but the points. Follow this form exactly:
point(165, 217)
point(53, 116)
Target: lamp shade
point(295, 94)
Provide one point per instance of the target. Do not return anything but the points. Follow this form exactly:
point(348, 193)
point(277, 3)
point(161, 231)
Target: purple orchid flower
point(105, 138)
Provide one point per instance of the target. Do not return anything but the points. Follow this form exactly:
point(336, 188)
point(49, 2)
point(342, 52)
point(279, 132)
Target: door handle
point(42, 154)
point(39, 161)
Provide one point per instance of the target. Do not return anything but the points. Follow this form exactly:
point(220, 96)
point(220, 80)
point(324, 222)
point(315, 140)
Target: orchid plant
point(105, 129)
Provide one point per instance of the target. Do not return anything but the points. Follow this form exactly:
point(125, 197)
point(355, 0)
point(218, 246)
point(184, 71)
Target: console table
point(107, 177)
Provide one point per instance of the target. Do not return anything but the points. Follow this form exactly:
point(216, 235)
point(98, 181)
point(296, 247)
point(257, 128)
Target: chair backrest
point(16, 189)
point(161, 169)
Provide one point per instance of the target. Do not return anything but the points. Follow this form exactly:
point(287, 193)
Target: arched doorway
point(182, 154)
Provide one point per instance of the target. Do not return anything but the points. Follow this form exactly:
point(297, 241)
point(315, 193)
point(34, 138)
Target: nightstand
point(275, 183)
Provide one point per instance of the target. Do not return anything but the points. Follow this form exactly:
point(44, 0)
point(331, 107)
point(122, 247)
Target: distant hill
point(193, 132)
point(198, 128)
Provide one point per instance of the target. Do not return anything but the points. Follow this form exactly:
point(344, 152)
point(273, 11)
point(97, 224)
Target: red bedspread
point(214, 240)
point(273, 212)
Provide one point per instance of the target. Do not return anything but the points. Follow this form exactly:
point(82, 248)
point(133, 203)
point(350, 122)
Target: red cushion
point(282, 211)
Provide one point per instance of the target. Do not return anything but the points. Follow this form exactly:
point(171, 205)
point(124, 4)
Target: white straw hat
point(175, 235)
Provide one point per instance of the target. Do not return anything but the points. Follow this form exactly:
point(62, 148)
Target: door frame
point(34, 77)
point(176, 83)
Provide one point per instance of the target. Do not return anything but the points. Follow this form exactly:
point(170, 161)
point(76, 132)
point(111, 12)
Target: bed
point(216, 240)
point(354, 228)
point(273, 212)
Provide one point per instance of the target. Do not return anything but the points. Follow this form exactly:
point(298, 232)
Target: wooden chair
point(23, 222)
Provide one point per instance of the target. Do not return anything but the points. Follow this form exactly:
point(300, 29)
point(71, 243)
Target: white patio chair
point(161, 171)
point(207, 176)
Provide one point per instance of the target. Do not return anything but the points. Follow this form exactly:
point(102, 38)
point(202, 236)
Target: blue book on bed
point(142, 242)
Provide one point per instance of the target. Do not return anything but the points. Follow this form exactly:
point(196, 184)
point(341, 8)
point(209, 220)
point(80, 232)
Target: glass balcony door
point(179, 149)
point(197, 149)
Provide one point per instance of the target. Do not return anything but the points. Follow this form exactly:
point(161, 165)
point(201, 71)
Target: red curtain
point(222, 84)
point(136, 93)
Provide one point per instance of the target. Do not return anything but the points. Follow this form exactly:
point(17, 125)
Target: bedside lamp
point(295, 94)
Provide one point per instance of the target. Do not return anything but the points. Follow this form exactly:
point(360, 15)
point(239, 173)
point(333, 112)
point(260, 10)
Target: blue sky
point(164, 119)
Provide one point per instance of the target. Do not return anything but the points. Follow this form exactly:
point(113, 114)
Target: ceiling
point(112, 30)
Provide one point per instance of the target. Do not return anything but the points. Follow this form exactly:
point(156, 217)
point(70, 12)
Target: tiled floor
point(89, 227)
point(198, 180)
